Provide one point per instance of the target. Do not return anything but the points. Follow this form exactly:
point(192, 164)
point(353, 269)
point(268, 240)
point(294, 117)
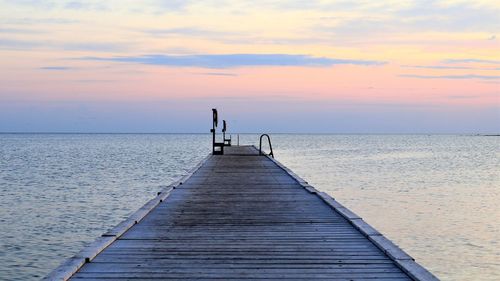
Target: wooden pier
point(239, 216)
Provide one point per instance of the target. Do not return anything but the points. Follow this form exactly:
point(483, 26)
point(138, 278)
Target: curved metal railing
point(270, 146)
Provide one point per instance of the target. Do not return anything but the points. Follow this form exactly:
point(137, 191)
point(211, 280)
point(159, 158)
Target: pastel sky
point(268, 66)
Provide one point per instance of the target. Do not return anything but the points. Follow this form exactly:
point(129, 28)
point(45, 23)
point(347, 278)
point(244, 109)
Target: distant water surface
point(436, 196)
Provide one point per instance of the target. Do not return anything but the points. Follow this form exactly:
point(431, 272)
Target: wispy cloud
point(459, 97)
point(15, 44)
point(163, 6)
point(451, 16)
point(39, 4)
point(92, 81)
point(187, 31)
point(94, 46)
point(200, 33)
point(437, 67)
point(16, 30)
point(471, 60)
point(216, 73)
point(458, 77)
point(35, 21)
point(85, 5)
point(56, 68)
point(6, 43)
point(447, 67)
point(55, 5)
point(236, 60)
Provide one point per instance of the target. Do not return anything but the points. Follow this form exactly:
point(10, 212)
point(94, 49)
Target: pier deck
point(242, 216)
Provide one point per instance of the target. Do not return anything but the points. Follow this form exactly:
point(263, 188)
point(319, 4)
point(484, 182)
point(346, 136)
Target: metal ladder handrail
point(270, 146)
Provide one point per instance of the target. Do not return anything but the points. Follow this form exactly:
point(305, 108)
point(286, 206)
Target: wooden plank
point(116, 267)
point(239, 278)
point(235, 275)
point(270, 261)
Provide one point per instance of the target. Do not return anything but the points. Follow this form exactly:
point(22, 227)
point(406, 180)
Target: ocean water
point(436, 196)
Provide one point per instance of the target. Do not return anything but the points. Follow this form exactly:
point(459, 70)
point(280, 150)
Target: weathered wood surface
point(241, 216)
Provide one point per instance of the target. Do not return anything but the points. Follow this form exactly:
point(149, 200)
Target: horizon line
point(248, 133)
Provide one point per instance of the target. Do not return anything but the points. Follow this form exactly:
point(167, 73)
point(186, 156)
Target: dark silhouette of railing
point(270, 146)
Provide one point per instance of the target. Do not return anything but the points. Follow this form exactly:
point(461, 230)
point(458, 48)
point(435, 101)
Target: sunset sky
point(268, 66)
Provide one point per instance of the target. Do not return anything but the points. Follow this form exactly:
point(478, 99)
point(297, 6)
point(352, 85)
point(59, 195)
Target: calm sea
point(436, 196)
